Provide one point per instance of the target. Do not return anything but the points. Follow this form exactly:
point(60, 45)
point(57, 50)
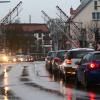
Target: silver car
point(68, 67)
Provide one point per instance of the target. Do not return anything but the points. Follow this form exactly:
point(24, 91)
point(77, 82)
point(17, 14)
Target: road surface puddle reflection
point(5, 92)
point(72, 93)
point(6, 88)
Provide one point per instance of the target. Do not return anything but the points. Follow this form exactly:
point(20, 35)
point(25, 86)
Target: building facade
point(26, 38)
point(87, 18)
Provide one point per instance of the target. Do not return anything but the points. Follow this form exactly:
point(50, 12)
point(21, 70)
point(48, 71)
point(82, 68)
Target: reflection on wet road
point(68, 90)
point(73, 93)
point(6, 88)
point(5, 92)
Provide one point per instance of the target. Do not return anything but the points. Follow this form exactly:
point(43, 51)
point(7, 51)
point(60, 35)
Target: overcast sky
point(34, 7)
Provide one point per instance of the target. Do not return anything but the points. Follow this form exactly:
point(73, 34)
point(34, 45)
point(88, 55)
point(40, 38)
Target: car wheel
point(77, 83)
point(87, 85)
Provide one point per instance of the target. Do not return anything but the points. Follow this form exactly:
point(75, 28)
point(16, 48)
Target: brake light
point(93, 65)
point(68, 61)
point(57, 60)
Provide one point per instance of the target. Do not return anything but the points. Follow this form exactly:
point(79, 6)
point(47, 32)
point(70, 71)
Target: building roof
point(30, 28)
point(81, 7)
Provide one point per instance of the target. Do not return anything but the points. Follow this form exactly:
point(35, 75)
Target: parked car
point(49, 59)
point(68, 66)
point(88, 70)
point(57, 60)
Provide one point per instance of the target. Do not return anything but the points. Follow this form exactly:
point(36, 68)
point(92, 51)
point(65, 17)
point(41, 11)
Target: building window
point(96, 15)
point(95, 5)
point(40, 35)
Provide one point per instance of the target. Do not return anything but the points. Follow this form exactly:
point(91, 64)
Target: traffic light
point(97, 35)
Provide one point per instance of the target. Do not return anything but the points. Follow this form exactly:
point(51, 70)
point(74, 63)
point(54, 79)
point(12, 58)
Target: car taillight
point(57, 60)
point(68, 61)
point(93, 66)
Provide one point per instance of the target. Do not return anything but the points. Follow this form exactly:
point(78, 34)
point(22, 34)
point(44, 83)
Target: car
point(88, 70)
point(20, 58)
point(57, 60)
point(3, 58)
point(12, 58)
point(49, 59)
point(68, 66)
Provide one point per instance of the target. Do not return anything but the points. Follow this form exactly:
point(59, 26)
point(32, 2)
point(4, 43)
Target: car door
point(86, 59)
point(80, 68)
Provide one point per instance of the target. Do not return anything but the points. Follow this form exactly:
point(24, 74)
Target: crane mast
point(58, 28)
point(69, 21)
point(8, 18)
point(4, 1)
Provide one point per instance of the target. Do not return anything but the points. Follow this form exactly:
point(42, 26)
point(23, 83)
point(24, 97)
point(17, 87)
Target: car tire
point(77, 83)
point(87, 84)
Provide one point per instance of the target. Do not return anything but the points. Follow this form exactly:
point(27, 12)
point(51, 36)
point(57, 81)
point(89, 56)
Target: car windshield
point(77, 54)
point(52, 54)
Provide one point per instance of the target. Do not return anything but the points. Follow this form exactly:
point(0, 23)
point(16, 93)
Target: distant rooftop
point(83, 4)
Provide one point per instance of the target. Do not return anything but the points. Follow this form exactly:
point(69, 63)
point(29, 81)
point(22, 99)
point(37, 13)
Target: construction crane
point(8, 18)
point(69, 21)
point(58, 27)
point(52, 28)
point(4, 1)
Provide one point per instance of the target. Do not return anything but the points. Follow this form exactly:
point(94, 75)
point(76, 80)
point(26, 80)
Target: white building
point(87, 17)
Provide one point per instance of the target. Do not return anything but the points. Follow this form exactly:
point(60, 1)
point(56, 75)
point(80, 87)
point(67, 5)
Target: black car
point(49, 59)
point(57, 60)
point(88, 70)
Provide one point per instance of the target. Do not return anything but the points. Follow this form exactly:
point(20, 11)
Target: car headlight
point(14, 60)
point(5, 58)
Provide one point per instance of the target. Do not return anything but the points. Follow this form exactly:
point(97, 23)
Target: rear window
point(97, 57)
point(51, 54)
point(61, 54)
point(77, 54)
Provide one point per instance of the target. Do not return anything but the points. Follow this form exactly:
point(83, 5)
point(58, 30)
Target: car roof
point(95, 52)
point(79, 49)
point(61, 50)
point(51, 51)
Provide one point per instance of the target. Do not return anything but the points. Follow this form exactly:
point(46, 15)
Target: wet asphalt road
point(30, 81)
